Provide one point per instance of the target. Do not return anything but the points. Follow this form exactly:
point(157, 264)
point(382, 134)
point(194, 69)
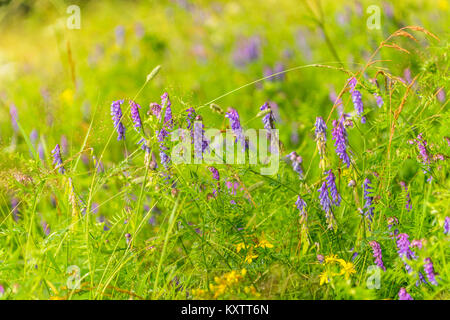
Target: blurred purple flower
point(247, 50)
point(447, 225)
point(296, 161)
point(14, 117)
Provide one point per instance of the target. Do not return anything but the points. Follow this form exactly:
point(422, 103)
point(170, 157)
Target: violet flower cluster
point(404, 295)
point(408, 198)
point(429, 271)
point(57, 160)
point(326, 204)
point(368, 204)
point(164, 133)
point(296, 161)
point(247, 50)
point(320, 132)
point(377, 254)
point(14, 116)
point(356, 98)
point(339, 135)
point(235, 123)
point(301, 206)
point(116, 113)
point(268, 119)
point(331, 184)
point(200, 142)
point(135, 115)
point(447, 225)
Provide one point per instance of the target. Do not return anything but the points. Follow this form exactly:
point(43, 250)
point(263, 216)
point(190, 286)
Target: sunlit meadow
point(353, 97)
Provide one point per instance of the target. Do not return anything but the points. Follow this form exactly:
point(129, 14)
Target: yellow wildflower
point(250, 256)
point(240, 246)
point(324, 278)
point(331, 258)
point(251, 290)
point(265, 244)
point(347, 269)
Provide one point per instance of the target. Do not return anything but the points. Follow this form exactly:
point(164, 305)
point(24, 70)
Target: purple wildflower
point(190, 117)
point(165, 101)
point(421, 279)
point(422, 146)
point(369, 199)
point(279, 67)
point(320, 129)
point(403, 246)
point(269, 118)
point(57, 161)
point(15, 209)
point(429, 270)
point(403, 295)
point(135, 115)
point(331, 184)
point(14, 117)
point(392, 221)
point(408, 198)
point(447, 225)
point(45, 228)
point(247, 50)
point(325, 202)
point(377, 254)
point(357, 102)
point(301, 206)
point(296, 163)
point(116, 113)
point(379, 100)
point(215, 173)
point(144, 145)
point(119, 32)
point(200, 142)
point(41, 152)
point(340, 136)
point(235, 123)
point(34, 136)
point(156, 110)
point(321, 138)
point(417, 244)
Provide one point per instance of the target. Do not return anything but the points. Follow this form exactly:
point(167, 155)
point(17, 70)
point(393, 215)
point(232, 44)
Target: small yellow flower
point(240, 246)
point(265, 244)
point(331, 258)
point(250, 256)
point(251, 290)
point(347, 269)
point(67, 96)
point(324, 278)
